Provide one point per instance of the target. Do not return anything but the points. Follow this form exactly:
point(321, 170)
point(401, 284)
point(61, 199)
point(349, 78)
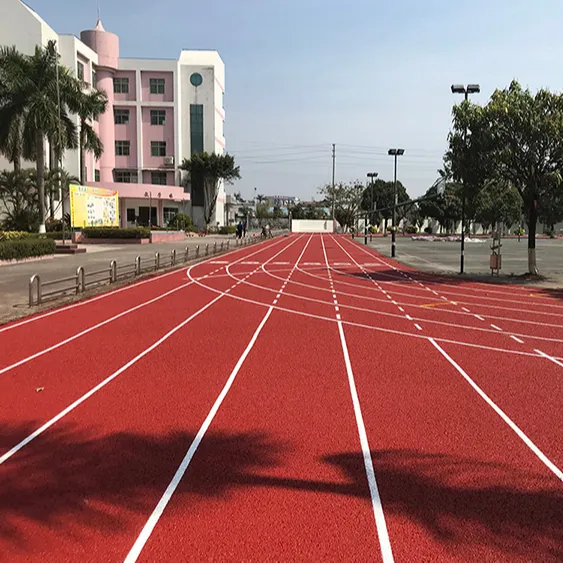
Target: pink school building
point(159, 112)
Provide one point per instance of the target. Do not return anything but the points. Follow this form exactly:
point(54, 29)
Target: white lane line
point(466, 309)
point(382, 533)
point(34, 318)
point(123, 368)
point(338, 316)
point(479, 317)
point(275, 301)
point(149, 526)
point(542, 457)
point(180, 472)
point(90, 329)
point(401, 309)
point(554, 360)
point(418, 326)
point(409, 317)
point(517, 339)
point(496, 327)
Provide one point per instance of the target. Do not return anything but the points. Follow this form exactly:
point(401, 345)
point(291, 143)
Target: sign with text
point(93, 207)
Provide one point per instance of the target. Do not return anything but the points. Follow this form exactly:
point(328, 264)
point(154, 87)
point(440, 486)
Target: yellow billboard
point(93, 207)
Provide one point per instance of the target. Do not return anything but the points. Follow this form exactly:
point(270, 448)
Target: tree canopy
point(517, 138)
point(347, 199)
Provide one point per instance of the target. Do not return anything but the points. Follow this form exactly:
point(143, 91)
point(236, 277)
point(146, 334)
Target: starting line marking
point(222, 262)
point(253, 263)
point(438, 304)
point(312, 264)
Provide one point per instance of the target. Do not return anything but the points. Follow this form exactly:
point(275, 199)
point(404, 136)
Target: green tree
point(518, 138)
point(19, 199)
point(297, 211)
point(29, 108)
point(383, 200)
point(210, 170)
point(91, 105)
point(498, 202)
point(347, 198)
point(445, 208)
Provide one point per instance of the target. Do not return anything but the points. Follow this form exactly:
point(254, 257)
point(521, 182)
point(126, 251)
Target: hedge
point(116, 232)
point(228, 230)
point(26, 248)
point(15, 235)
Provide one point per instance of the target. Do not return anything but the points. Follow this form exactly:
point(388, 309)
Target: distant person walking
point(244, 229)
point(239, 229)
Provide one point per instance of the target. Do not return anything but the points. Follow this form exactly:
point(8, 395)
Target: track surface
point(303, 399)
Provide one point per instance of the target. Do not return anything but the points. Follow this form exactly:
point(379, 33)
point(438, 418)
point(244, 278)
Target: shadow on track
point(69, 481)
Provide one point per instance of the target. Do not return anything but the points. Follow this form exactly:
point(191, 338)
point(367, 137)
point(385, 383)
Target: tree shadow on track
point(69, 480)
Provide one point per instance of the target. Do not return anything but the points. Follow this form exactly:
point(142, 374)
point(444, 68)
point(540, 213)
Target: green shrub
point(15, 235)
point(116, 232)
point(411, 229)
point(228, 230)
point(26, 248)
point(55, 235)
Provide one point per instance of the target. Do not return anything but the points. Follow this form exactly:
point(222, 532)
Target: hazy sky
point(364, 74)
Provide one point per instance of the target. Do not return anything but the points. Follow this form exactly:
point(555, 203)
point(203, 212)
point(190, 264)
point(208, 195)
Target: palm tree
point(91, 105)
point(35, 104)
point(261, 198)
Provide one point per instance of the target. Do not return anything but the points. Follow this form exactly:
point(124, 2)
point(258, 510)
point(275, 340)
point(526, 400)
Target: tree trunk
point(52, 166)
point(40, 149)
point(532, 223)
point(81, 151)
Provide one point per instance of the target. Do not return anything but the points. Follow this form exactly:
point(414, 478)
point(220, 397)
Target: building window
point(121, 116)
point(125, 176)
point(96, 175)
point(168, 214)
point(158, 178)
point(121, 85)
point(94, 79)
point(122, 148)
point(156, 85)
point(80, 71)
point(131, 215)
point(196, 128)
point(158, 148)
point(158, 116)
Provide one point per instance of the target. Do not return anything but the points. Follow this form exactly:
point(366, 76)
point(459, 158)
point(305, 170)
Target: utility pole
point(333, 168)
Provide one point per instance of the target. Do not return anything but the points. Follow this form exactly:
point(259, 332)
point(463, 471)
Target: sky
point(366, 75)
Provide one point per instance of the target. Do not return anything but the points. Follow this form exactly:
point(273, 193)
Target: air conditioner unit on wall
point(169, 160)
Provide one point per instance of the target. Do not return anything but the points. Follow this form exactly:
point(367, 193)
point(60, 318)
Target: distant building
point(159, 112)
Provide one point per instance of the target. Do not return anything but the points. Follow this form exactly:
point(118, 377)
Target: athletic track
point(303, 399)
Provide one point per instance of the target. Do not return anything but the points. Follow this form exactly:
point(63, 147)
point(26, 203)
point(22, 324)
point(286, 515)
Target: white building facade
point(159, 113)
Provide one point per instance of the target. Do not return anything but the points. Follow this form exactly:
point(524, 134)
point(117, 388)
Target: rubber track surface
point(304, 399)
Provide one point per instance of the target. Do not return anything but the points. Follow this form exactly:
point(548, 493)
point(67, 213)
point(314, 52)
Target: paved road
point(443, 257)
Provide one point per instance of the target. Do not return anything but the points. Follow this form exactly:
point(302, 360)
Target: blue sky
point(364, 74)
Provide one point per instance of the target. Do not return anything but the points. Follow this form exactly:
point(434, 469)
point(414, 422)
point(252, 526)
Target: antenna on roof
point(98, 4)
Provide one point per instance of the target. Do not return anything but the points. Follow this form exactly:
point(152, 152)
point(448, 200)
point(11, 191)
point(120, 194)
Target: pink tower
point(106, 45)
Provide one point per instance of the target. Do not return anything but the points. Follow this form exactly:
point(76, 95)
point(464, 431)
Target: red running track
point(304, 399)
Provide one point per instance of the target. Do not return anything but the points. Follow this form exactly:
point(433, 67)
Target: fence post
point(112, 271)
point(137, 265)
point(34, 279)
point(197, 251)
point(173, 257)
point(215, 247)
point(221, 246)
point(156, 261)
point(206, 249)
point(79, 279)
point(228, 244)
point(187, 254)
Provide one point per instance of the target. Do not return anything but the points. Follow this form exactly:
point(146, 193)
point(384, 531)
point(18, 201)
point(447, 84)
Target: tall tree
point(445, 208)
point(518, 138)
point(91, 105)
point(37, 84)
point(498, 202)
point(347, 199)
point(381, 193)
point(210, 170)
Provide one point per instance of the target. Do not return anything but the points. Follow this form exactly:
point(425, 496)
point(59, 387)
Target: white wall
point(312, 226)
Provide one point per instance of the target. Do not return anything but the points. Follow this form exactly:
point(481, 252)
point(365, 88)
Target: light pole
point(372, 176)
point(395, 153)
point(465, 90)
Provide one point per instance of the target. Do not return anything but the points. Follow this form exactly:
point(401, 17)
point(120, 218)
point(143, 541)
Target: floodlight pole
point(395, 153)
point(465, 90)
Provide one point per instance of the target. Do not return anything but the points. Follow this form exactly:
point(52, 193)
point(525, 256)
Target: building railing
point(83, 280)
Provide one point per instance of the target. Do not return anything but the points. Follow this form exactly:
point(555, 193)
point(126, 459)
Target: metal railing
point(83, 280)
